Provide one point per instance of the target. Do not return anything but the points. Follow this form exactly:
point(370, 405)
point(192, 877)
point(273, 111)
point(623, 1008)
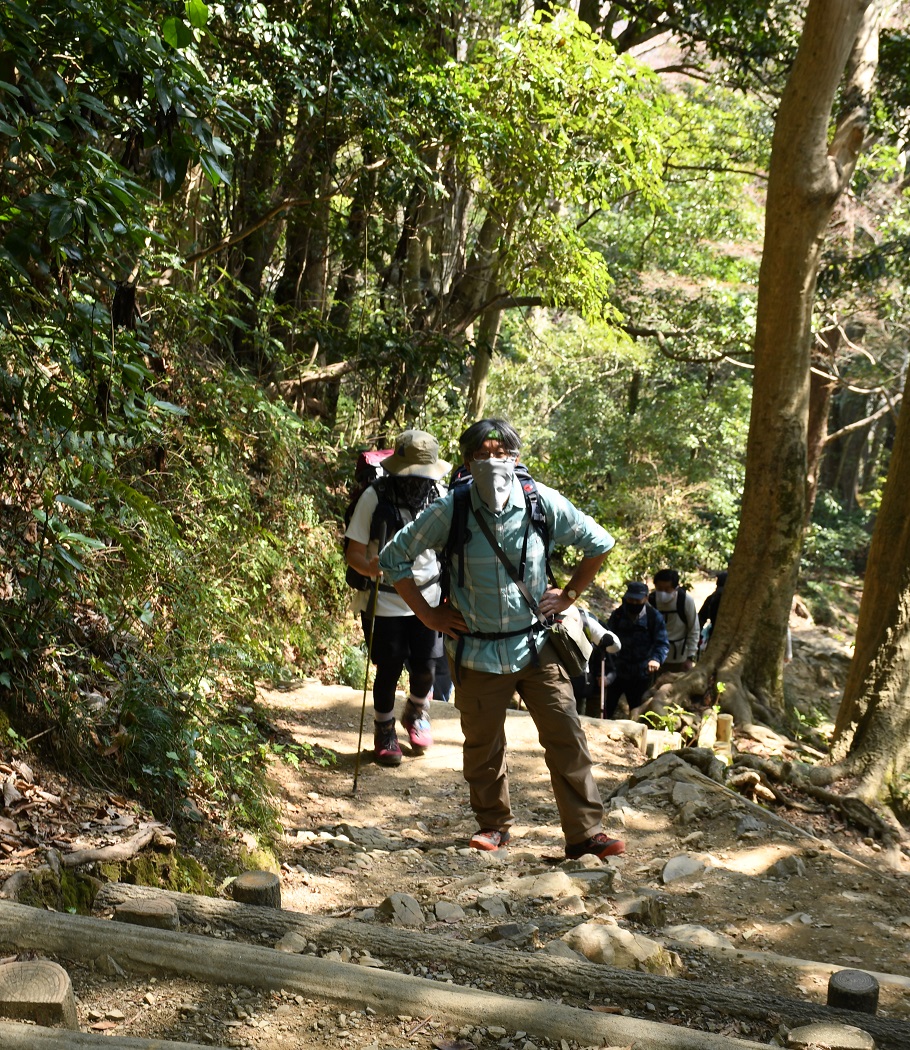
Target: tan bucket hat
point(416, 455)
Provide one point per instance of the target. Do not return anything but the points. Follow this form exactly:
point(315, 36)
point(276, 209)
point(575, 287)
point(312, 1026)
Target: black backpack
point(460, 487)
point(681, 593)
point(368, 472)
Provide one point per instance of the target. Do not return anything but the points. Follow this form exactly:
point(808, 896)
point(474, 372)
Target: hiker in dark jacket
point(643, 635)
point(707, 614)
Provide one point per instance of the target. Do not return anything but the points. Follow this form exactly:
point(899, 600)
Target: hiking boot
point(416, 722)
point(598, 845)
point(386, 749)
point(489, 839)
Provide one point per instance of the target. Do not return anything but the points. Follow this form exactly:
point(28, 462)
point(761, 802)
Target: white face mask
point(493, 478)
point(664, 597)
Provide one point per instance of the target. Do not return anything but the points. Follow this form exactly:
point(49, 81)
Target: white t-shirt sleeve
point(358, 528)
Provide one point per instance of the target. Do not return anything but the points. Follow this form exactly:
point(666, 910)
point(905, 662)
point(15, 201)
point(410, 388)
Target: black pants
point(396, 639)
point(633, 688)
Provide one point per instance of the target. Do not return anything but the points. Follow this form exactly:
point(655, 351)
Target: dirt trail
point(831, 909)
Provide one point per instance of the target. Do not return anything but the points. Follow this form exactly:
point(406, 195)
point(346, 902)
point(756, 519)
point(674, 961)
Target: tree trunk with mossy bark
point(838, 51)
point(872, 733)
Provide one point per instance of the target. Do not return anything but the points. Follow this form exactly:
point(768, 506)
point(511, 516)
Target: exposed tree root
point(806, 779)
point(149, 833)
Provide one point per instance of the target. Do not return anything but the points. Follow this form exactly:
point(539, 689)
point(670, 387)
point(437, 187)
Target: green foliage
point(137, 613)
point(353, 666)
point(662, 474)
point(838, 539)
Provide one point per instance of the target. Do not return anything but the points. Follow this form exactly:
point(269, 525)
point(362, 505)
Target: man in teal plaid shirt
point(494, 641)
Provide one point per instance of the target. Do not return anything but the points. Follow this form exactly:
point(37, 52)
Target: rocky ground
point(712, 889)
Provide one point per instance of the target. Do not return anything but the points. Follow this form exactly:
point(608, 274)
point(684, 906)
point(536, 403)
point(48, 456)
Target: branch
point(717, 167)
point(283, 205)
point(235, 238)
point(860, 423)
point(333, 371)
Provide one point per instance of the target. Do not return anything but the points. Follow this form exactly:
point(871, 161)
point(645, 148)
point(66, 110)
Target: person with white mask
point(494, 621)
point(680, 613)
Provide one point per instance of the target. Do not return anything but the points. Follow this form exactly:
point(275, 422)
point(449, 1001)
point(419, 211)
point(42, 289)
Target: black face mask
point(415, 493)
point(632, 610)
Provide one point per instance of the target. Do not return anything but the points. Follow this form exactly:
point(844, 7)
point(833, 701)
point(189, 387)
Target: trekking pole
point(603, 679)
point(374, 598)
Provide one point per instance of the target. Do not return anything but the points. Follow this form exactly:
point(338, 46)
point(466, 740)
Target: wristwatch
point(570, 594)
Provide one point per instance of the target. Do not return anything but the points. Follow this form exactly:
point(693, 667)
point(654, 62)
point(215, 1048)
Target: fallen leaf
point(104, 1026)
point(607, 1009)
point(448, 1044)
point(11, 794)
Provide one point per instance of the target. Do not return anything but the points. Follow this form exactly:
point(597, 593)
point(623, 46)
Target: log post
point(39, 991)
point(853, 990)
point(257, 887)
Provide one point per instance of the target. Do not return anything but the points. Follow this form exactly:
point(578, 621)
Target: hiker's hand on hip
point(554, 601)
point(447, 619)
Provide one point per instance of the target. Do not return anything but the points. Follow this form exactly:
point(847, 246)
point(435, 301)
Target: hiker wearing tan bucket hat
point(394, 635)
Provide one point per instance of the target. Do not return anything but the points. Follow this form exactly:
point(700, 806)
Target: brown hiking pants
point(482, 699)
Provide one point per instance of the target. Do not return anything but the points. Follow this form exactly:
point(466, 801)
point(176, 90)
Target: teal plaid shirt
point(489, 601)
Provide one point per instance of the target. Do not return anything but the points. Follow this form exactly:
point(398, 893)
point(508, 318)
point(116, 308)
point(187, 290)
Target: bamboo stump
point(39, 991)
point(257, 887)
point(157, 913)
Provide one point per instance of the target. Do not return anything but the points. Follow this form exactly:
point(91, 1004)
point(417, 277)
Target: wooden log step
point(32, 1037)
point(553, 976)
point(231, 962)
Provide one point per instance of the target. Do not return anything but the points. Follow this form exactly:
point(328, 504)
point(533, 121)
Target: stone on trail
point(492, 906)
point(684, 865)
point(787, 867)
point(402, 909)
point(830, 1035)
point(749, 825)
point(39, 991)
point(550, 886)
point(292, 943)
point(644, 908)
point(561, 950)
point(614, 946)
point(445, 911)
point(698, 936)
point(683, 793)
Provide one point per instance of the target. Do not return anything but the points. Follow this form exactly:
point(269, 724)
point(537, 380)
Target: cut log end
point(158, 913)
point(257, 887)
point(39, 991)
point(853, 990)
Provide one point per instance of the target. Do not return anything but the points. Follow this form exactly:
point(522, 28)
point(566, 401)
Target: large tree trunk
point(485, 344)
point(872, 732)
point(805, 180)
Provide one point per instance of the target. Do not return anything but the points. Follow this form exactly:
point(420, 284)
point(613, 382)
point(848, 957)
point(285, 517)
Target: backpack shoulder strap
point(538, 517)
point(681, 594)
point(458, 536)
point(387, 510)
